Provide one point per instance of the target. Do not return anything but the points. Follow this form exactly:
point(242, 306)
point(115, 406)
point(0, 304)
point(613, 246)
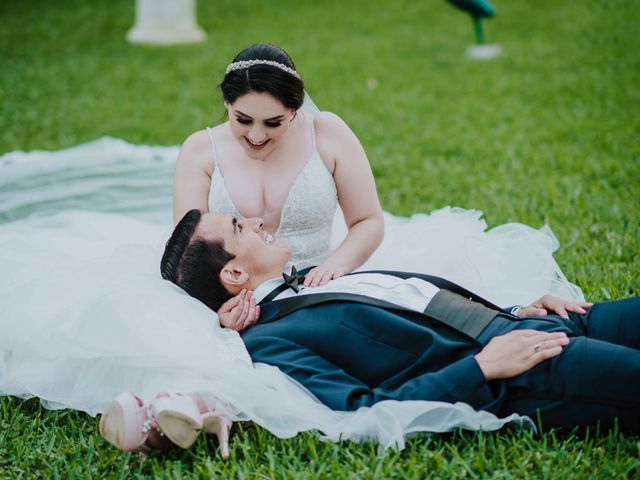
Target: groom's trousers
point(595, 379)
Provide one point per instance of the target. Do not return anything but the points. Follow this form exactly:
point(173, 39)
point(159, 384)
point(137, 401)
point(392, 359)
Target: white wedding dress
point(84, 313)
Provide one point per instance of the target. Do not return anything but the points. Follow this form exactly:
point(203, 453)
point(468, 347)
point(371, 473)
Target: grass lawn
point(549, 132)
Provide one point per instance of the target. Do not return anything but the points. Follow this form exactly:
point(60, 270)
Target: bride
point(275, 160)
point(84, 314)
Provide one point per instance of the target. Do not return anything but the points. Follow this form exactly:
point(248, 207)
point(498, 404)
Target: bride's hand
point(240, 312)
point(548, 304)
point(322, 274)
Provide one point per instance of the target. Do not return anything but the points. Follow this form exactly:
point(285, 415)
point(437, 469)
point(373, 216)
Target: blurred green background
point(546, 133)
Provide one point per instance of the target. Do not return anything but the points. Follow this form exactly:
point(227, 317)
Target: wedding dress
point(85, 315)
point(307, 213)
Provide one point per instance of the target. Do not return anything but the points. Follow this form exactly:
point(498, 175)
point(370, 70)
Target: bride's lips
point(256, 146)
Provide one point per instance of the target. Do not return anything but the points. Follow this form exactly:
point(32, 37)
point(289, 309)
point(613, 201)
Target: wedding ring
point(536, 348)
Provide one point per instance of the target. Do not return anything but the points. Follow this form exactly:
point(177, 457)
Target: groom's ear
point(233, 277)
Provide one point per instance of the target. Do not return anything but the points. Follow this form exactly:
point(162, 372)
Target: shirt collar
point(266, 287)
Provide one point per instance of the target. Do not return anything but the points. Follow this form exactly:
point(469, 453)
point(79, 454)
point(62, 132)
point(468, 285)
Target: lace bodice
point(307, 213)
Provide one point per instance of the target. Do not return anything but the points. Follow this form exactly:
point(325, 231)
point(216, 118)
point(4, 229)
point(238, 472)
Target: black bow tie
point(293, 281)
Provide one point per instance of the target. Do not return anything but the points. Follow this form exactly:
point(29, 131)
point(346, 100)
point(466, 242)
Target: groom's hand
point(550, 304)
point(509, 355)
point(240, 312)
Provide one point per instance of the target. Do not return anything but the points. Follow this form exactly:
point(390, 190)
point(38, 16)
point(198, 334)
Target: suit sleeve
point(462, 381)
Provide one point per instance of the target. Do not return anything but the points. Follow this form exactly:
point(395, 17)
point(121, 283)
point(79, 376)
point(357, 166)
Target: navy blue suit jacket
point(351, 355)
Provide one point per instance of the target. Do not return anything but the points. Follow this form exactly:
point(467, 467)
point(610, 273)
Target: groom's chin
point(283, 254)
point(281, 249)
point(288, 253)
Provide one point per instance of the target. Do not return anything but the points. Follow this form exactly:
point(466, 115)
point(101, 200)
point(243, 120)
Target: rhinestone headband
point(250, 63)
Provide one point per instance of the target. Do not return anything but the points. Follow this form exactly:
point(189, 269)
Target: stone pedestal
point(166, 22)
point(483, 52)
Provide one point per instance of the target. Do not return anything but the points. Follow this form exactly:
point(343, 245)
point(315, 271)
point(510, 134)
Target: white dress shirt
point(412, 293)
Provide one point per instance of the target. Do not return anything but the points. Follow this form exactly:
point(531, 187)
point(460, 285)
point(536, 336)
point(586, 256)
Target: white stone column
point(166, 22)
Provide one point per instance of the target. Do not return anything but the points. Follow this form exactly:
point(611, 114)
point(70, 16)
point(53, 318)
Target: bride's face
point(259, 121)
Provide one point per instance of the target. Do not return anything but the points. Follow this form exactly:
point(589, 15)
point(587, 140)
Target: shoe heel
point(178, 418)
point(220, 426)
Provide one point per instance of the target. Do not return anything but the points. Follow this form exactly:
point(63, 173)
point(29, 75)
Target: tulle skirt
point(85, 315)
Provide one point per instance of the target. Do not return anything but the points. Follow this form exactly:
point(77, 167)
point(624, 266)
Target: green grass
point(549, 132)
point(35, 443)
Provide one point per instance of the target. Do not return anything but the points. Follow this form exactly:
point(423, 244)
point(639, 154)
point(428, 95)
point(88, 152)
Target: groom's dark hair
point(194, 264)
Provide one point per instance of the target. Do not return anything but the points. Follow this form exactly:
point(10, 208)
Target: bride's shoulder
point(333, 135)
point(196, 151)
point(196, 139)
point(329, 121)
point(200, 140)
point(330, 128)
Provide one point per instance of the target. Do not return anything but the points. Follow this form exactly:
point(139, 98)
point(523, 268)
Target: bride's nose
point(257, 135)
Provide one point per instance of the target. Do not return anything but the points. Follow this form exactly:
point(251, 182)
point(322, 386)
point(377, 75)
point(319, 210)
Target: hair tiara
point(232, 67)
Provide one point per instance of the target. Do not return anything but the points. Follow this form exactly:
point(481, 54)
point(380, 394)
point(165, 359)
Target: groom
point(368, 337)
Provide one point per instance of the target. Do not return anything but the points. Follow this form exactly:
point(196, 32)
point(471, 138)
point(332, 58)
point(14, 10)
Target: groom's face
point(255, 250)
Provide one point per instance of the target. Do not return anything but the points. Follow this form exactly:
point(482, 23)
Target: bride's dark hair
point(283, 85)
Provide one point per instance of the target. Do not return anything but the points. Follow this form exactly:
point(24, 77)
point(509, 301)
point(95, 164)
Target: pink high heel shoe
point(127, 422)
point(179, 418)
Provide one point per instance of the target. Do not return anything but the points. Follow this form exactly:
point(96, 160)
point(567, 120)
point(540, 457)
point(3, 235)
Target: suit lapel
point(440, 283)
point(273, 310)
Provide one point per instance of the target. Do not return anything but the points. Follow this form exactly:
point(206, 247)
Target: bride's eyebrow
point(279, 117)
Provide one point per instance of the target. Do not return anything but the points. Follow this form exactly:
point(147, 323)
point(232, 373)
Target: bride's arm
point(192, 176)
point(357, 195)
